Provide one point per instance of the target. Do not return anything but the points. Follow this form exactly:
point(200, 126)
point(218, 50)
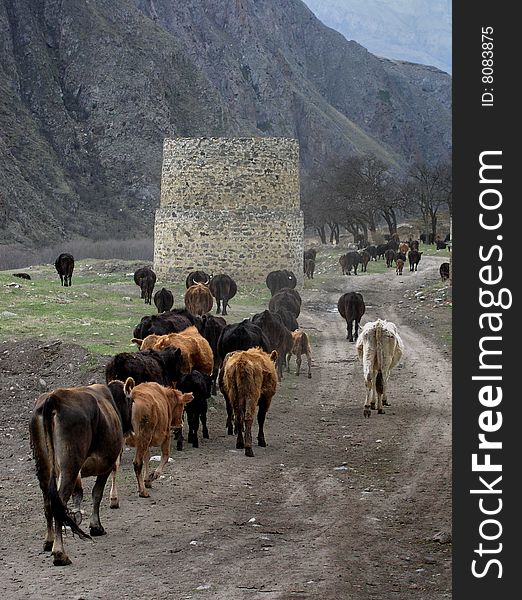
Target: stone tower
point(229, 205)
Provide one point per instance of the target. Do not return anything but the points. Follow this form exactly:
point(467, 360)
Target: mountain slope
point(89, 89)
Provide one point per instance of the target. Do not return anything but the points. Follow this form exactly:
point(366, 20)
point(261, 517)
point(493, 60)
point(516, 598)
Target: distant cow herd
point(183, 355)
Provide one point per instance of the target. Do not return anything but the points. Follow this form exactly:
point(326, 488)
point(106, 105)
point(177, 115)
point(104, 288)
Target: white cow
point(380, 348)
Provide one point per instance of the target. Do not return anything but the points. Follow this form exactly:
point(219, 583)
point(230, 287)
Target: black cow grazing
point(444, 271)
point(210, 327)
point(276, 280)
point(199, 384)
point(414, 257)
point(164, 300)
point(145, 278)
point(365, 259)
point(223, 288)
point(197, 277)
point(65, 266)
point(440, 245)
point(241, 336)
point(381, 250)
point(310, 268)
point(163, 367)
point(389, 255)
point(171, 321)
point(351, 307)
point(349, 261)
point(278, 335)
point(22, 275)
point(286, 299)
point(289, 321)
point(77, 432)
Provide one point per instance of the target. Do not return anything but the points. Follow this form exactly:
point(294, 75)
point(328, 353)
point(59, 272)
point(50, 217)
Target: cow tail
point(379, 382)
point(58, 508)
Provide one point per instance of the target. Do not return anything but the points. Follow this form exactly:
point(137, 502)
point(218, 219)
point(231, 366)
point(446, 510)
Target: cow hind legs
point(248, 438)
point(95, 526)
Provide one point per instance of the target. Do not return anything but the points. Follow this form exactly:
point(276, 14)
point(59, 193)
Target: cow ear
point(273, 355)
point(137, 341)
point(128, 385)
point(186, 398)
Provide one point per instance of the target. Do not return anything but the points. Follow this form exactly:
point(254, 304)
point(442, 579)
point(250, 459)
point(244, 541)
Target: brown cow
point(198, 299)
point(248, 380)
point(300, 346)
point(76, 432)
point(155, 410)
point(195, 350)
point(400, 266)
point(404, 247)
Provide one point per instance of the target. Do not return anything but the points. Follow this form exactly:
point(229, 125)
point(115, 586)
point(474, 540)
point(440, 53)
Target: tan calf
point(248, 380)
point(300, 346)
point(400, 266)
point(155, 410)
point(195, 350)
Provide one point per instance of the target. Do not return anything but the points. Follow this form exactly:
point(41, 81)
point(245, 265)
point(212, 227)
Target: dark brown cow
point(198, 299)
point(389, 256)
point(309, 268)
point(414, 257)
point(399, 266)
point(248, 382)
point(365, 259)
point(76, 432)
point(65, 266)
point(277, 334)
point(145, 278)
point(351, 307)
point(200, 386)
point(171, 321)
point(210, 327)
point(197, 277)
point(164, 300)
point(162, 367)
point(444, 271)
point(286, 299)
point(277, 280)
point(223, 288)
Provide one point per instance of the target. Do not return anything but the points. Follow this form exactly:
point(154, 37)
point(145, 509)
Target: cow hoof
point(240, 445)
point(97, 531)
point(381, 411)
point(115, 503)
point(144, 494)
point(205, 434)
point(148, 483)
point(372, 405)
point(261, 443)
point(48, 546)
point(367, 412)
point(230, 431)
point(195, 444)
point(385, 403)
point(309, 376)
point(249, 452)
point(179, 447)
point(61, 559)
point(77, 517)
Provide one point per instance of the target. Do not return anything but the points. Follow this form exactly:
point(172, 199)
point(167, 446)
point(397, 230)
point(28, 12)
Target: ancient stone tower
point(229, 205)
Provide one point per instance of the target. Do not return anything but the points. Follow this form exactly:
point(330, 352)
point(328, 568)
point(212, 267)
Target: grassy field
point(99, 311)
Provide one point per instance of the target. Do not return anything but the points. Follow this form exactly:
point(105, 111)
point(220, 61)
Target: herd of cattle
point(183, 355)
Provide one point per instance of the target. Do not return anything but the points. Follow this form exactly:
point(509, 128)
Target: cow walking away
point(351, 307)
point(414, 257)
point(277, 334)
point(277, 280)
point(77, 432)
point(162, 367)
point(155, 410)
point(171, 321)
point(223, 288)
point(444, 271)
point(145, 278)
point(286, 299)
point(196, 411)
point(380, 348)
point(389, 256)
point(399, 266)
point(248, 382)
point(300, 346)
point(164, 300)
point(65, 266)
point(197, 277)
point(309, 268)
point(198, 299)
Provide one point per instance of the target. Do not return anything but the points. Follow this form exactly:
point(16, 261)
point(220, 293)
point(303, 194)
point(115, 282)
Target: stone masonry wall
point(229, 205)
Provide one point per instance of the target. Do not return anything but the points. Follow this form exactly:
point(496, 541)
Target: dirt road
point(336, 507)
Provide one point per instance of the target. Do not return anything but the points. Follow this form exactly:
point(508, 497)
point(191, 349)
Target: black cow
point(196, 411)
point(197, 277)
point(351, 261)
point(145, 278)
point(365, 259)
point(241, 336)
point(414, 245)
point(286, 299)
point(289, 321)
point(222, 287)
point(65, 266)
point(414, 257)
point(22, 275)
point(171, 321)
point(389, 255)
point(401, 256)
point(372, 251)
point(278, 335)
point(444, 271)
point(150, 365)
point(210, 328)
point(423, 238)
point(394, 244)
point(447, 237)
point(276, 280)
point(351, 307)
point(164, 300)
point(77, 432)
point(309, 268)
point(307, 255)
point(381, 250)
point(440, 245)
